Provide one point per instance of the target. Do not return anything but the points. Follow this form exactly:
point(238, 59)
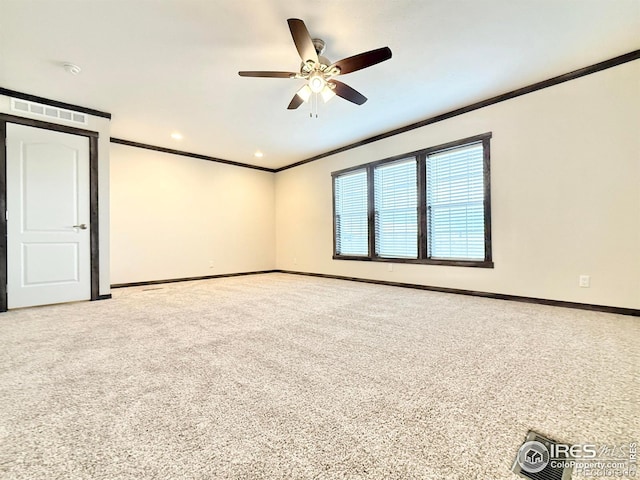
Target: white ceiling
point(160, 66)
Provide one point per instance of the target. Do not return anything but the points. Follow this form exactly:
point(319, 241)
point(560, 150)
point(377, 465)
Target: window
point(455, 203)
point(396, 209)
point(431, 206)
point(351, 213)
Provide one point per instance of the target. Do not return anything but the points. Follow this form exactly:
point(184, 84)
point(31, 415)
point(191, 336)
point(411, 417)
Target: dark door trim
point(93, 198)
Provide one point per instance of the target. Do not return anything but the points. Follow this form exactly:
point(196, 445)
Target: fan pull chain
point(313, 105)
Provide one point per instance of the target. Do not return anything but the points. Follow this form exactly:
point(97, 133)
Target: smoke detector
point(72, 68)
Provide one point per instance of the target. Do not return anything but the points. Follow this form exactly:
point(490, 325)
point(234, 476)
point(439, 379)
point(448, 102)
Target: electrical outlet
point(584, 281)
point(210, 263)
point(295, 260)
point(390, 267)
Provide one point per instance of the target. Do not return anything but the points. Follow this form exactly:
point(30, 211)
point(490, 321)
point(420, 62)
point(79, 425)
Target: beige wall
point(103, 127)
point(176, 217)
point(565, 173)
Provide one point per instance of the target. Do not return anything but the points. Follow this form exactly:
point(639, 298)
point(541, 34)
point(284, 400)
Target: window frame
point(421, 165)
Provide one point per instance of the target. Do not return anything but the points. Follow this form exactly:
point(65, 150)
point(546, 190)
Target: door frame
point(93, 198)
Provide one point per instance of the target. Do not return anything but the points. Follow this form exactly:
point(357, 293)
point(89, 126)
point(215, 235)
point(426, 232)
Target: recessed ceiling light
point(176, 136)
point(258, 154)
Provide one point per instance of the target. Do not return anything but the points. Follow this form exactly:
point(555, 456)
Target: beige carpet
point(279, 376)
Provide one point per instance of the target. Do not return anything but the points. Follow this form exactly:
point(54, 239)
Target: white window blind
point(396, 209)
point(455, 204)
point(352, 225)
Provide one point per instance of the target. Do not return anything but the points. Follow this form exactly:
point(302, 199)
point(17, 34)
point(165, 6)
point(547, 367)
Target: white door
point(48, 238)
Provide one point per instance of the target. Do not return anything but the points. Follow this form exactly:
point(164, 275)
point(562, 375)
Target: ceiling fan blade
point(296, 101)
point(302, 40)
point(268, 74)
point(362, 60)
point(345, 91)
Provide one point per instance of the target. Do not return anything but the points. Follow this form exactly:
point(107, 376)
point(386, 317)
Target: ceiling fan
point(319, 72)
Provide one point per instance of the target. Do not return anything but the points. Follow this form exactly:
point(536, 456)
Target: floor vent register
point(537, 459)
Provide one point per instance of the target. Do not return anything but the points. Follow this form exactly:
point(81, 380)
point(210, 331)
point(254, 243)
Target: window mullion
point(371, 211)
point(422, 206)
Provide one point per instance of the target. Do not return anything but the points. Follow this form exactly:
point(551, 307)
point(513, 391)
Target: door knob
point(82, 226)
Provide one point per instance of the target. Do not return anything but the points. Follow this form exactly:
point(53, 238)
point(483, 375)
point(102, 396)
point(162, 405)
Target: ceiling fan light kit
point(319, 72)
point(327, 93)
point(316, 82)
point(305, 93)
